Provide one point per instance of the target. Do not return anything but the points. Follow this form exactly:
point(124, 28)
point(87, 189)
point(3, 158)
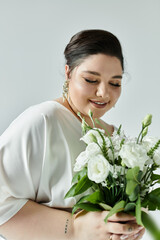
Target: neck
point(87, 118)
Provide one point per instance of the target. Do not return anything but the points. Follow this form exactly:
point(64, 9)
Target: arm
point(38, 222)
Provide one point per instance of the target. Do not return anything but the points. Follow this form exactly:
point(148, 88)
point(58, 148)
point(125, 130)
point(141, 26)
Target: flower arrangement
point(118, 173)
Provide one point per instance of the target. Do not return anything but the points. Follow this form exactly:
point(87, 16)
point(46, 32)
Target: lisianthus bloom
point(98, 168)
point(81, 161)
point(93, 135)
point(133, 155)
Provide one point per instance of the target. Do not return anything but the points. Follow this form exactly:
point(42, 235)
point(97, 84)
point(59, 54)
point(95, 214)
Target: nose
point(102, 91)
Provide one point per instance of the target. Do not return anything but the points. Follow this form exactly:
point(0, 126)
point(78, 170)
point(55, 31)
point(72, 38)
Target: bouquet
point(118, 173)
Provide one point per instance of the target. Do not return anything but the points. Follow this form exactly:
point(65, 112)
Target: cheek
point(116, 94)
point(82, 89)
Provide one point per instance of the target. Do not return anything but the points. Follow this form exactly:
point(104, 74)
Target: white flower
point(81, 161)
point(117, 169)
point(149, 142)
point(116, 142)
point(98, 168)
point(156, 157)
point(89, 136)
point(92, 149)
point(133, 155)
point(104, 184)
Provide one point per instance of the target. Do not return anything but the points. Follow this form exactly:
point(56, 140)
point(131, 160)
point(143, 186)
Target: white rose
point(88, 137)
point(133, 155)
point(81, 161)
point(98, 168)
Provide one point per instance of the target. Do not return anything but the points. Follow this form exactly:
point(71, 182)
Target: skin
point(38, 222)
point(97, 79)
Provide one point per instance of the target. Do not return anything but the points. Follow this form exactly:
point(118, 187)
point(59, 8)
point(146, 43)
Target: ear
point(67, 72)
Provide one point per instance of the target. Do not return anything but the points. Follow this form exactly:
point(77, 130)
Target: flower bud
point(93, 137)
point(145, 131)
point(147, 120)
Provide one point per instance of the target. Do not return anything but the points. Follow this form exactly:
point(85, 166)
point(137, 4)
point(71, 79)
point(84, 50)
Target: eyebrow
point(98, 74)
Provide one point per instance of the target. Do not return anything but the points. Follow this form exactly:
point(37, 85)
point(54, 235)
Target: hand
point(91, 226)
point(124, 227)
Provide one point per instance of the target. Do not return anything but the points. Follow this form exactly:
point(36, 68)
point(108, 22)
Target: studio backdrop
point(34, 33)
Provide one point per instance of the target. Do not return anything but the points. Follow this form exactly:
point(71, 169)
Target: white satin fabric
point(37, 153)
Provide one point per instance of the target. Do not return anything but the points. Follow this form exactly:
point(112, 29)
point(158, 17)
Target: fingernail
point(124, 237)
point(141, 227)
point(135, 236)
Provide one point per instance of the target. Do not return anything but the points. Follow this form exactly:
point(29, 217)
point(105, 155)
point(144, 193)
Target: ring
point(130, 229)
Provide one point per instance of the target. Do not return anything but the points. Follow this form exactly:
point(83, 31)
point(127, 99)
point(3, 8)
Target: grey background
point(33, 35)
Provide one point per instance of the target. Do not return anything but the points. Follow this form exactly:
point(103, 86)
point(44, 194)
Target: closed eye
point(90, 81)
point(115, 84)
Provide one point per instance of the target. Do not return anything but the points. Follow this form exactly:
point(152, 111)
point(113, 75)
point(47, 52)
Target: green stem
point(140, 134)
point(108, 135)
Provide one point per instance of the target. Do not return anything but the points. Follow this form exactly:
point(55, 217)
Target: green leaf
point(87, 206)
point(156, 192)
point(71, 191)
point(79, 175)
point(132, 174)
point(134, 195)
point(130, 207)
point(138, 211)
point(131, 185)
point(133, 177)
point(155, 177)
point(105, 206)
point(95, 197)
point(152, 200)
point(119, 207)
point(79, 187)
point(83, 185)
point(150, 225)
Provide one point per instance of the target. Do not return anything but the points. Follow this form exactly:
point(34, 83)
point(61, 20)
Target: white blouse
point(37, 153)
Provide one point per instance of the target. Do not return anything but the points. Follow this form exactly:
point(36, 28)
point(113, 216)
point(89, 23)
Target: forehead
point(100, 63)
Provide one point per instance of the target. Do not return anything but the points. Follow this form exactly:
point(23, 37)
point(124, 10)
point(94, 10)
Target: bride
point(38, 150)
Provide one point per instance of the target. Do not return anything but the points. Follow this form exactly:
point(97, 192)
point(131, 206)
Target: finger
point(115, 237)
point(136, 236)
point(122, 217)
point(126, 229)
point(122, 237)
point(139, 235)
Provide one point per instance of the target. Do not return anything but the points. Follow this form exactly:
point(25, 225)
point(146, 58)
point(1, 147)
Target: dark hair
point(89, 42)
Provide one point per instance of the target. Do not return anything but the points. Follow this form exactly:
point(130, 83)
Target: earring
point(65, 89)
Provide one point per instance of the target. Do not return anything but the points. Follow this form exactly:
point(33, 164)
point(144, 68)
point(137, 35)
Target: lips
point(98, 104)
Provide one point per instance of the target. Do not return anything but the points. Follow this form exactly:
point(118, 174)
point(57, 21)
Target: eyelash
point(90, 81)
point(115, 85)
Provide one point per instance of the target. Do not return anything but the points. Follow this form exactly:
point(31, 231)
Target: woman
point(38, 150)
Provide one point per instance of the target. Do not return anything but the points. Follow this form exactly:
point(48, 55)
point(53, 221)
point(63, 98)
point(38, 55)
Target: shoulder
point(38, 111)
point(33, 119)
